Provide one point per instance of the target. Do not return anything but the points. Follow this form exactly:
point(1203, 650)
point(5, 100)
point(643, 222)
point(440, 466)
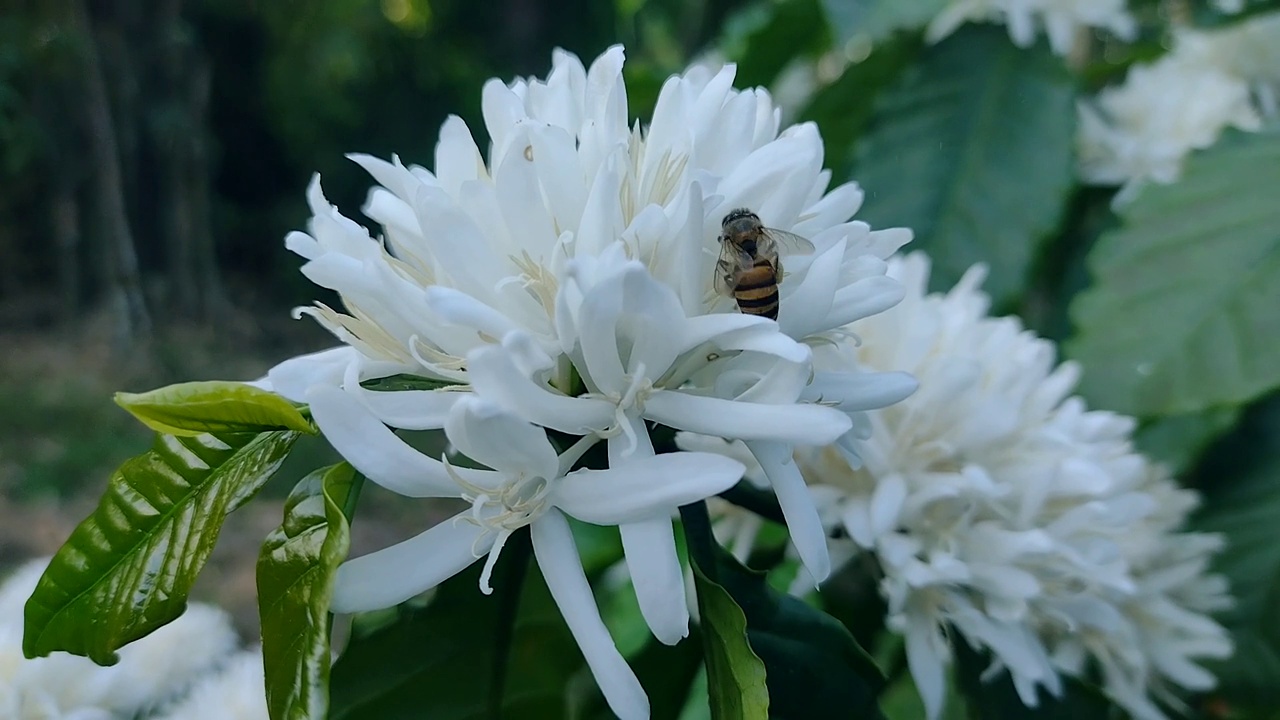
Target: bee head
point(737, 215)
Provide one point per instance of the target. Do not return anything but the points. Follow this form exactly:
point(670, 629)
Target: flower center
point(638, 389)
point(519, 501)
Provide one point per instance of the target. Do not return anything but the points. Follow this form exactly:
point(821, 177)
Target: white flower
point(1142, 129)
point(235, 692)
point(68, 687)
point(1000, 507)
point(569, 279)
point(531, 486)
point(1062, 19)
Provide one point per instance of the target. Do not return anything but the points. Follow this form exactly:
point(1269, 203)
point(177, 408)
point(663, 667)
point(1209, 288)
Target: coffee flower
point(1061, 19)
point(1001, 510)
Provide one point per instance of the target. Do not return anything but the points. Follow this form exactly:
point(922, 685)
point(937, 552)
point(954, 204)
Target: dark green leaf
point(295, 582)
point(668, 674)
point(1179, 440)
point(973, 151)
point(735, 674)
point(843, 109)
point(996, 698)
point(442, 657)
point(766, 37)
point(812, 663)
point(400, 383)
point(871, 20)
point(1241, 481)
point(127, 569)
point(1182, 315)
point(194, 408)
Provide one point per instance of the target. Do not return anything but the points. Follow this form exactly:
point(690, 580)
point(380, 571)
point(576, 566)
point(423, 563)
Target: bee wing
point(729, 268)
point(789, 243)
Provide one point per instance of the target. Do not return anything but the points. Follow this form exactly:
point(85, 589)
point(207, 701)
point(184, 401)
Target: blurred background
point(153, 155)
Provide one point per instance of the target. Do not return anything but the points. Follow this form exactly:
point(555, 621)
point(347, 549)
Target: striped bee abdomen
point(757, 290)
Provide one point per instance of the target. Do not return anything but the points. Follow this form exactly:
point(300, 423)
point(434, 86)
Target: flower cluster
point(1062, 19)
point(1142, 129)
point(563, 281)
point(1001, 509)
point(150, 671)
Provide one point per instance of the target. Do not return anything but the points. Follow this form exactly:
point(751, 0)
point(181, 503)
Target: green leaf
point(127, 569)
point(1179, 440)
point(295, 583)
point(812, 663)
point(194, 408)
point(844, 108)
point(973, 151)
point(764, 38)
point(455, 658)
point(997, 699)
point(1182, 315)
point(400, 383)
point(871, 20)
point(1241, 483)
point(735, 674)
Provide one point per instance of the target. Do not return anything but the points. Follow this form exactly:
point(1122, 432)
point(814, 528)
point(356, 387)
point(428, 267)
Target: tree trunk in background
point(65, 222)
point(124, 285)
point(182, 150)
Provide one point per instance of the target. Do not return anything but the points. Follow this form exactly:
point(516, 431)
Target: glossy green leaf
point(871, 20)
point(127, 569)
point(764, 38)
point(295, 583)
point(972, 149)
point(735, 674)
point(1182, 314)
point(995, 698)
point(194, 408)
point(400, 383)
point(1241, 483)
point(812, 663)
point(456, 657)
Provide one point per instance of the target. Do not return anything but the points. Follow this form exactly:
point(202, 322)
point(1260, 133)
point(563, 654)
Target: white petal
point(863, 299)
point(804, 311)
point(886, 504)
point(855, 391)
point(645, 487)
point(374, 450)
point(803, 522)
point(558, 559)
point(485, 433)
point(395, 574)
point(460, 308)
point(408, 409)
point(926, 665)
point(292, 377)
point(494, 376)
point(800, 424)
point(650, 547)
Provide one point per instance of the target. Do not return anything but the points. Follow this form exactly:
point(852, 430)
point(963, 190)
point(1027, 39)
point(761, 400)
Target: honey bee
point(749, 268)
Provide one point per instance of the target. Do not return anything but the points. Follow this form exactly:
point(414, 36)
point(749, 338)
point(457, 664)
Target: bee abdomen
point(757, 291)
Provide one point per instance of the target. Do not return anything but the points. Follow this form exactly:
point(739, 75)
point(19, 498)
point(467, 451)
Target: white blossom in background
point(998, 506)
point(564, 278)
point(1062, 20)
point(236, 691)
point(68, 687)
point(1142, 129)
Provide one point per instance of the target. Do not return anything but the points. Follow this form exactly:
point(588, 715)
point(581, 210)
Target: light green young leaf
point(972, 149)
point(1242, 502)
point(1182, 315)
point(127, 569)
point(735, 674)
point(194, 408)
point(295, 583)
